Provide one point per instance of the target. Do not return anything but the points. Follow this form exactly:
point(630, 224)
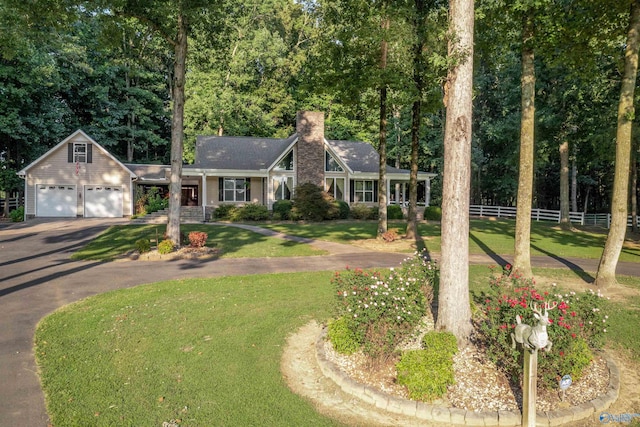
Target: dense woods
point(102, 67)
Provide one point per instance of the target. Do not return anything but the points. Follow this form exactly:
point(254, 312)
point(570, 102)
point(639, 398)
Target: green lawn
point(233, 242)
point(486, 236)
point(206, 352)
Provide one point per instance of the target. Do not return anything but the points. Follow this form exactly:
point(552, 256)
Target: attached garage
point(56, 200)
point(102, 201)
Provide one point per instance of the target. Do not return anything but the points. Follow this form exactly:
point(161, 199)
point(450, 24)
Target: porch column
point(204, 195)
point(404, 194)
point(427, 192)
point(397, 192)
point(387, 183)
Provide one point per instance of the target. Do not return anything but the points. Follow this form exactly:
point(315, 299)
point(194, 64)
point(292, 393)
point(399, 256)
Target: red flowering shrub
point(575, 326)
point(197, 239)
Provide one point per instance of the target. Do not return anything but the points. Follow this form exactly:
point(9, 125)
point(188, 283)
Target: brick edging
point(429, 412)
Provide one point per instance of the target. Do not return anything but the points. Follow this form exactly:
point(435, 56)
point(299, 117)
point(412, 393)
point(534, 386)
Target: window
point(335, 187)
point(282, 187)
point(286, 164)
point(235, 189)
point(79, 152)
point(331, 164)
point(364, 191)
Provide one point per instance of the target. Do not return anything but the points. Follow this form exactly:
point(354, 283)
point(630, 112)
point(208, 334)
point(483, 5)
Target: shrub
point(17, 215)
point(197, 239)
point(165, 247)
point(394, 212)
point(250, 212)
point(155, 200)
point(343, 339)
point(433, 213)
point(224, 211)
point(282, 209)
point(576, 318)
point(390, 235)
point(360, 211)
point(343, 209)
point(427, 373)
point(381, 311)
point(143, 245)
point(311, 203)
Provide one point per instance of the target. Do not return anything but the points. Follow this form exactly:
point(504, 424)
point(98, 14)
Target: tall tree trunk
point(633, 187)
point(522, 253)
point(416, 119)
point(382, 142)
point(565, 221)
point(177, 132)
point(454, 312)
point(606, 274)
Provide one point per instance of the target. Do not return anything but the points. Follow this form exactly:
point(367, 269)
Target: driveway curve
point(38, 277)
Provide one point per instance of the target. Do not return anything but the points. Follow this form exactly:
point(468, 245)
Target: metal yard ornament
point(532, 338)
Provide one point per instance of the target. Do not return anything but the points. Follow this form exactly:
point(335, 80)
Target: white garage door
point(56, 200)
point(102, 201)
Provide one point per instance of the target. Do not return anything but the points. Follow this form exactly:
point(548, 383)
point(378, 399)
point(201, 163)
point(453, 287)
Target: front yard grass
point(207, 351)
point(486, 236)
point(233, 242)
point(202, 351)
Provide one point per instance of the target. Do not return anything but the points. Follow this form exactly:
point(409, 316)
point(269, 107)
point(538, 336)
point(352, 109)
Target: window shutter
point(352, 190)
point(220, 189)
point(248, 190)
point(70, 152)
point(375, 191)
point(89, 153)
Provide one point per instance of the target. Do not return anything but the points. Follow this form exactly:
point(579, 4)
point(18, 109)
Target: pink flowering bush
point(577, 325)
point(380, 310)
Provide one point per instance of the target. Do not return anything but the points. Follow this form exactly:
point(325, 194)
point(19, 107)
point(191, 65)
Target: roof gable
point(78, 136)
point(358, 156)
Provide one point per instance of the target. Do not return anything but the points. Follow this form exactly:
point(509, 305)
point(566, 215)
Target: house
point(77, 177)
point(227, 170)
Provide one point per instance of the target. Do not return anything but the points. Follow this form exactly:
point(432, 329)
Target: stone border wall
point(457, 416)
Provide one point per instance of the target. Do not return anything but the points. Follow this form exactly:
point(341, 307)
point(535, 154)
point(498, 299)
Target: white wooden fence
point(581, 218)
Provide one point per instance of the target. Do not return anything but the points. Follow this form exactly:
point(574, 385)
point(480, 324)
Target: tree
point(171, 20)
point(522, 253)
point(454, 312)
point(606, 274)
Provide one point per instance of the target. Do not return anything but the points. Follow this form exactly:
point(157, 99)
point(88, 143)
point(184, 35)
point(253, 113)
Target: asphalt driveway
point(37, 277)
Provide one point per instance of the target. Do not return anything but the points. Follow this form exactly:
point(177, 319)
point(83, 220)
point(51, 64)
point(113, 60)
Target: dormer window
point(331, 164)
point(286, 164)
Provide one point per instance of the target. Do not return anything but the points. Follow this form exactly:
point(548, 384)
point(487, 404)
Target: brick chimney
point(310, 156)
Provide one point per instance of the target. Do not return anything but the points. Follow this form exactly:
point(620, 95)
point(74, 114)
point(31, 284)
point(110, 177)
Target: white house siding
point(55, 169)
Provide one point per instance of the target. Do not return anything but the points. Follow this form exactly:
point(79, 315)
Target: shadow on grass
point(487, 250)
point(579, 271)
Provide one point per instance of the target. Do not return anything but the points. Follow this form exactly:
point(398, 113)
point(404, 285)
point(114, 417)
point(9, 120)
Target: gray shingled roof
point(155, 173)
point(360, 156)
point(238, 153)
